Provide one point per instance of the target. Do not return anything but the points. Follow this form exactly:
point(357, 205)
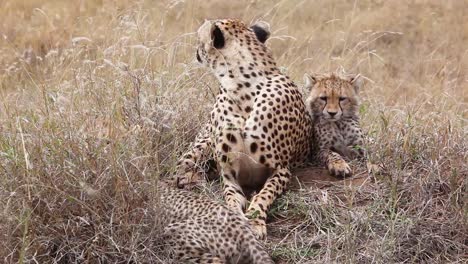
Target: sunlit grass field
point(99, 98)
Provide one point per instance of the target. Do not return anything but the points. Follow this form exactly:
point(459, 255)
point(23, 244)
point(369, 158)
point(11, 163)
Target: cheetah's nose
point(332, 114)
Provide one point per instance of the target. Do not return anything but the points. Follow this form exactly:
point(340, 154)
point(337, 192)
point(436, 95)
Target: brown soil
point(319, 177)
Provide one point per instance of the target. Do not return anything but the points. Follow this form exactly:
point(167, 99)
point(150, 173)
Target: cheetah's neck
point(243, 85)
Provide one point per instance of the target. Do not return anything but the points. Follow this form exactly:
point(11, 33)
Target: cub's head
point(226, 44)
point(332, 97)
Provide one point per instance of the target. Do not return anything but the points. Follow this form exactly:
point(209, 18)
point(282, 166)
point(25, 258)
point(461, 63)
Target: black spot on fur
point(231, 138)
point(224, 158)
point(226, 148)
point(262, 159)
point(253, 147)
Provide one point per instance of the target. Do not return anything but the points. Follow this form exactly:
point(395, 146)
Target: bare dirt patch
point(319, 177)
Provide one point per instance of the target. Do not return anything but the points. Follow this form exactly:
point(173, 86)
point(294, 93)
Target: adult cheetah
point(258, 127)
point(333, 103)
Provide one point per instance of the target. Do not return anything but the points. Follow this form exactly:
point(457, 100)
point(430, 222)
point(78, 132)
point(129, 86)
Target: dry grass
point(98, 98)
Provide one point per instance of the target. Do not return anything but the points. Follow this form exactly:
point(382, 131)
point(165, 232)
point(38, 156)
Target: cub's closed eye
point(342, 98)
point(324, 98)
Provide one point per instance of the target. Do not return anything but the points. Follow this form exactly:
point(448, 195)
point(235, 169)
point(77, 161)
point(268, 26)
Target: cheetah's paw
point(339, 168)
point(188, 180)
point(259, 228)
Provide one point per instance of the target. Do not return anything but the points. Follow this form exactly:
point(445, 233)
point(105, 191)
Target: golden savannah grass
point(99, 98)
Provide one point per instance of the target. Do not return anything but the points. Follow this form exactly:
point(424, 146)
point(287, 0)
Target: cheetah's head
point(225, 45)
point(333, 97)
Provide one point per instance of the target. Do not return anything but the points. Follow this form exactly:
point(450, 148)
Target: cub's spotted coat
point(200, 230)
point(333, 103)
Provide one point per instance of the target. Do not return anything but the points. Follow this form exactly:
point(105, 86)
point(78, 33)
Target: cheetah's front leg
point(273, 188)
point(191, 167)
point(233, 194)
point(356, 145)
point(353, 139)
point(330, 143)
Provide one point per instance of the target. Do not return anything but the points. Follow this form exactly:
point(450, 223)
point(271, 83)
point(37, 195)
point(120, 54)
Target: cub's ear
point(211, 35)
point(309, 81)
point(357, 82)
point(261, 30)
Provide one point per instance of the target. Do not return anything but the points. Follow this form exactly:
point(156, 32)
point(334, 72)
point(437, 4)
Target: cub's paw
point(188, 180)
point(339, 168)
point(259, 228)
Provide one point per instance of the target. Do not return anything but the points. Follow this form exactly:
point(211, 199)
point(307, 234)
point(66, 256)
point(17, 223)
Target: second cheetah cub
point(333, 103)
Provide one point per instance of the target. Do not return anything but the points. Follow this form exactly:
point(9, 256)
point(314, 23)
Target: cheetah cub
point(333, 103)
point(200, 230)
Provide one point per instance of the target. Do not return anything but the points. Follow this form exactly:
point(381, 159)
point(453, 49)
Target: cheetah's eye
point(323, 98)
point(342, 98)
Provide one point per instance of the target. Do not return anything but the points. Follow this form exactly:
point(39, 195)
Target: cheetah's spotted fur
point(258, 128)
point(333, 103)
point(200, 230)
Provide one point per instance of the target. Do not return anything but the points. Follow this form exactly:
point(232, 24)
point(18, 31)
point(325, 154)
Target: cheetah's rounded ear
point(309, 81)
point(357, 82)
point(261, 30)
point(217, 37)
point(211, 35)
